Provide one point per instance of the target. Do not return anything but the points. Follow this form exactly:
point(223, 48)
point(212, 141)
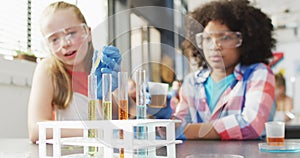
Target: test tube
point(107, 96)
point(92, 100)
point(141, 113)
point(141, 94)
point(123, 95)
point(123, 102)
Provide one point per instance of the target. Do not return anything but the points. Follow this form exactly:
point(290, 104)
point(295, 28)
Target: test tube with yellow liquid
point(92, 100)
point(107, 96)
point(123, 102)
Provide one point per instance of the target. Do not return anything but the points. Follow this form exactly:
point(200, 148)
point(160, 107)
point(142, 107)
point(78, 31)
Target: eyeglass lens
point(223, 39)
point(57, 39)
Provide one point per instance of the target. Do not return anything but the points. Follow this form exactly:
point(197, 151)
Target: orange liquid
point(123, 110)
point(121, 134)
point(122, 149)
point(275, 141)
point(123, 115)
point(122, 153)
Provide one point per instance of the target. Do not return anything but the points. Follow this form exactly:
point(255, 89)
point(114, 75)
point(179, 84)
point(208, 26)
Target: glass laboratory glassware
point(92, 100)
point(123, 95)
point(123, 102)
point(107, 96)
point(141, 108)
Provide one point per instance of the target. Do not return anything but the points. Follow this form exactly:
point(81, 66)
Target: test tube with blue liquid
point(141, 108)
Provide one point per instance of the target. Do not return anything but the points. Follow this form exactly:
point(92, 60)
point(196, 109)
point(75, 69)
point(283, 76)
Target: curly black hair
point(238, 15)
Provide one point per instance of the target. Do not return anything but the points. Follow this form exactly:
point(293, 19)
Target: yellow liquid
point(92, 110)
point(122, 153)
point(92, 149)
point(107, 110)
point(92, 132)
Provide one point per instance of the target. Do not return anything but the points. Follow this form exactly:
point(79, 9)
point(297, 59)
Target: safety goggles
point(224, 39)
point(58, 39)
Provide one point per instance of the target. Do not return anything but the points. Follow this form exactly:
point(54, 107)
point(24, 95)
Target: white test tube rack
point(107, 140)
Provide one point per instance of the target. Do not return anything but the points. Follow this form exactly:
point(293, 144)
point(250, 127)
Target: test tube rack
point(106, 138)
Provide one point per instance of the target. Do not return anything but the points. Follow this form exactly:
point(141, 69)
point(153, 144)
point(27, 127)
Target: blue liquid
point(141, 131)
point(141, 112)
point(141, 153)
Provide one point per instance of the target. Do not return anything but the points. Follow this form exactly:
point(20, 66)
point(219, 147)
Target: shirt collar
point(202, 74)
point(240, 70)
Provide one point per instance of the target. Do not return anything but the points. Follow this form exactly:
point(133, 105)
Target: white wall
point(15, 83)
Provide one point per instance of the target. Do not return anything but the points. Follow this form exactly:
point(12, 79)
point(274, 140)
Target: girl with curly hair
point(232, 95)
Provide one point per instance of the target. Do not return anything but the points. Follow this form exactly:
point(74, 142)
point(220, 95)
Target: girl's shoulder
point(44, 63)
point(258, 68)
point(256, 72)
point(43, 68)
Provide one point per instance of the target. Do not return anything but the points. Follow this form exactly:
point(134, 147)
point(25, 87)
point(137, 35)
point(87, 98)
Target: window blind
point(19, 26)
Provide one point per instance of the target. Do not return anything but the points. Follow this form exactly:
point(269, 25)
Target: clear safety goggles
point(224, 39)
point(58, 39)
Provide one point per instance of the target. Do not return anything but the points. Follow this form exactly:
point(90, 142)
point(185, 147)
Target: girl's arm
point(40, 106)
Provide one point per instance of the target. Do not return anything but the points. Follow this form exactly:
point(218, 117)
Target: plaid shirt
point(242, 109)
